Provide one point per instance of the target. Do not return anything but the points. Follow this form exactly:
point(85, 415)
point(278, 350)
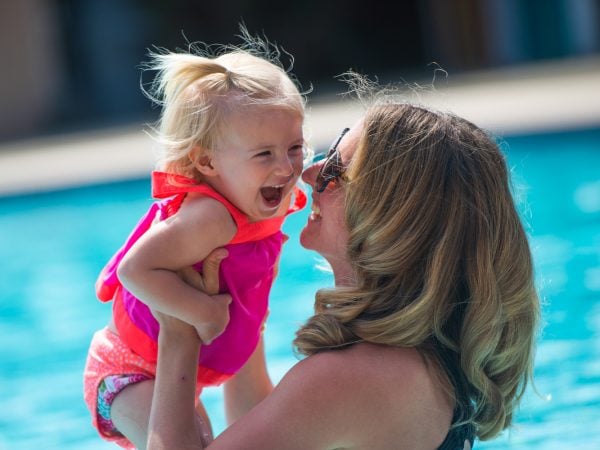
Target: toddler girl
point(231, 127)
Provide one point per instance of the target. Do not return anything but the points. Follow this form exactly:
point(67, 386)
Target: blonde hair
point(198, 91)
point(441, 259)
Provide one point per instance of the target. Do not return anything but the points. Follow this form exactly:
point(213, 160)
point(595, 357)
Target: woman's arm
point(174, 422)
point(151, 269)
point(173, 419)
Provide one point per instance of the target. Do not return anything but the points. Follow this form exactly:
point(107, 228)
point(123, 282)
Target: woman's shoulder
point(383, 391)
point(373, 368)
point(371, 359)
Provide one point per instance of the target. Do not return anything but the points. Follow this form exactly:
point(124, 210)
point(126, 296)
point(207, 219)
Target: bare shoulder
point(375, 362)
point(378, 394)
point(367, 368)
point(363, 397)
point(201, 213)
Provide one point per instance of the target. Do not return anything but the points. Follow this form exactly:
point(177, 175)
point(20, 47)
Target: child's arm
point(150, 268)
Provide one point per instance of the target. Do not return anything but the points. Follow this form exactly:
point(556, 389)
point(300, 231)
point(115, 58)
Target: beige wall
point(30, 64)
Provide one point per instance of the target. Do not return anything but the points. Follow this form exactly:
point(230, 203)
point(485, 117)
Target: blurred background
point(75, 162)
point(69, 64)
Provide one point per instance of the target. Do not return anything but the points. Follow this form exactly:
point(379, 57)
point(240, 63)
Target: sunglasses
point(332, 168)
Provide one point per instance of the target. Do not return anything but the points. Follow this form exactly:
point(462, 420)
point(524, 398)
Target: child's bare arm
point(150, 270)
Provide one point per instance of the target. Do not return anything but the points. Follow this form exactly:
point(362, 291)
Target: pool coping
point(554, 95)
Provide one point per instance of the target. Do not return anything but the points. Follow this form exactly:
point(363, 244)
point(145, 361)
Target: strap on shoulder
point(166, 185)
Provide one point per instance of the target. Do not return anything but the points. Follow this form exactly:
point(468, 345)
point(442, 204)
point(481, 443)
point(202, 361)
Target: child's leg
point(120, 404)
point(130, 412)
point(111, 367)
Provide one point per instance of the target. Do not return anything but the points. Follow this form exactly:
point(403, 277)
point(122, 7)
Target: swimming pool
point(52, 246)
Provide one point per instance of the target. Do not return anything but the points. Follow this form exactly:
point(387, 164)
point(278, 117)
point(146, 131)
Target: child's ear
point(202, 161)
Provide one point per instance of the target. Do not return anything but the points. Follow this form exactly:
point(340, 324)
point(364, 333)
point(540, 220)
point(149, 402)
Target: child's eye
point(263, 154)
point(297, 149)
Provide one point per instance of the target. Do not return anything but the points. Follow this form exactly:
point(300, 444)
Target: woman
point(427, 339)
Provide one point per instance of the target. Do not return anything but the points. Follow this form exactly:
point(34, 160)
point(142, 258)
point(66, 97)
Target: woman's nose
point(309, 174)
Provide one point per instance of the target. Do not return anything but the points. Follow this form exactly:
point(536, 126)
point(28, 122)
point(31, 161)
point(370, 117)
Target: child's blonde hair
point(199, 91)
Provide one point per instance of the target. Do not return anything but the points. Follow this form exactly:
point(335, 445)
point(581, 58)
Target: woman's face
point(326, 231)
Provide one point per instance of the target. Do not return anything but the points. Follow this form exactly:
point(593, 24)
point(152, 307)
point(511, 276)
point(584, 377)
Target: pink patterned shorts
point(110, 367)
point(107, 391)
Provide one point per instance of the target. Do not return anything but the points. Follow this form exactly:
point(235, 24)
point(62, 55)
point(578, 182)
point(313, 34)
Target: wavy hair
point(441, 258)
point(198, 90)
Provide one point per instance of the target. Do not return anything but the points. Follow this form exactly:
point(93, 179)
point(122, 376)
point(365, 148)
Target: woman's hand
point(208, 282)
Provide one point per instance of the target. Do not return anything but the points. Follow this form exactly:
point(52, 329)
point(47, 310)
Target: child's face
point(259, 160)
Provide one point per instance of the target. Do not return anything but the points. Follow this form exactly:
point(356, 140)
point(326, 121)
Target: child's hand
point(206, 331)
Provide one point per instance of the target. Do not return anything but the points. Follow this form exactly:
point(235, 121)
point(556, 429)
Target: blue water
point(52, 246)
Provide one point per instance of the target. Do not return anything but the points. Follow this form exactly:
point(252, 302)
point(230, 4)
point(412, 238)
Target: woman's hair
point(199, 90)
point(441, 259)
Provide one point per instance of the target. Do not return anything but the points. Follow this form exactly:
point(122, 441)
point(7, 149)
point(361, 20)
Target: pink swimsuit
point(246, 274)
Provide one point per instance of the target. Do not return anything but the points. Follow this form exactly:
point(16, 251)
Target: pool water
point(52, 246)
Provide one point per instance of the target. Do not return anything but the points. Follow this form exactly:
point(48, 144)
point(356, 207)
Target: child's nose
point(285, 166)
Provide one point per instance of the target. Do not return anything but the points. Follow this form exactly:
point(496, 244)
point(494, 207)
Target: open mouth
point(315, 212)
point(272, 195)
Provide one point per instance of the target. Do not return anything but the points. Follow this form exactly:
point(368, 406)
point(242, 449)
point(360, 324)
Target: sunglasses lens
point(330, 170)
point(322, 181)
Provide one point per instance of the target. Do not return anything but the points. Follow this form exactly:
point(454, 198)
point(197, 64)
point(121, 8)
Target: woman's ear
point(202, 162)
